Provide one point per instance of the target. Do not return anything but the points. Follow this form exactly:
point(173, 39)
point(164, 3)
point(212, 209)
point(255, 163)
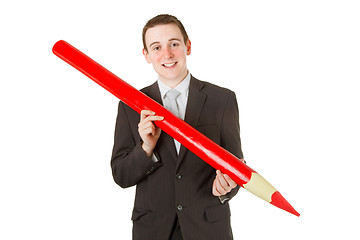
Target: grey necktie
point(171, 103)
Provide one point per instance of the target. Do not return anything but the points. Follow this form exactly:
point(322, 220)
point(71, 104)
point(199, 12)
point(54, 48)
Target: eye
point(156, 48)
point(174, 44)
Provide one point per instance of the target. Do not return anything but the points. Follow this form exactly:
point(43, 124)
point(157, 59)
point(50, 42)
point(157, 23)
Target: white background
point(294, 66)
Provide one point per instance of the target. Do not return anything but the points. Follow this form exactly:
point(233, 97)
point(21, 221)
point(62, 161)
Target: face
point(167, 53)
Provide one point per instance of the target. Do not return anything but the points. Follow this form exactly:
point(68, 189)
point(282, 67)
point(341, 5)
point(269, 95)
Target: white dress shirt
point(181, 100)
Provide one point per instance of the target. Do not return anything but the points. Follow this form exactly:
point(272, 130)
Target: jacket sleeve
point(129, 162)
point(230, 135)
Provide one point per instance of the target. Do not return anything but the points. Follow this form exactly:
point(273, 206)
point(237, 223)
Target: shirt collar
point(183, 87)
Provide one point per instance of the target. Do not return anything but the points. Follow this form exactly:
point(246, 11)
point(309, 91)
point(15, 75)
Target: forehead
point(163, 33)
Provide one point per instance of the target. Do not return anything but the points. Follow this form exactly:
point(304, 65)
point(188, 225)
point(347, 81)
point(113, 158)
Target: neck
point(173, 83)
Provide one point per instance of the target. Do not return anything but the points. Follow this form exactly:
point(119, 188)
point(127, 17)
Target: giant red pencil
point(196, 142)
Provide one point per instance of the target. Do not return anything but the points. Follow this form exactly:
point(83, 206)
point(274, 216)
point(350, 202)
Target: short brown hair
point(163, 19)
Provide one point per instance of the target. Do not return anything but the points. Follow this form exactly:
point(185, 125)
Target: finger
point(157, 131)
point(148, 130)
point(222, 184)
point(154, 118)
point(219, 187)
point(214, 190)
point(145, 113)
point(148, 121)
point(229, 180)
point(225, 185)
point(144, 125)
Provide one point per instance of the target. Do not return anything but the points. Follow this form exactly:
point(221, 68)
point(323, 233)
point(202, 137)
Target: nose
point(168, 53)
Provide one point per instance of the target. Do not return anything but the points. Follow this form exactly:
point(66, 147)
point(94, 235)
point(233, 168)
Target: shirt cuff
point(223, 199)
point(154, 158)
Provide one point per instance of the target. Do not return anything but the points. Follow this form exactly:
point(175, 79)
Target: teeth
point(169, 64)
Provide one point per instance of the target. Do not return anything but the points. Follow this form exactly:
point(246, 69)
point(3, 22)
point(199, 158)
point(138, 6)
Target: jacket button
point(179, 207)
point(178, 176)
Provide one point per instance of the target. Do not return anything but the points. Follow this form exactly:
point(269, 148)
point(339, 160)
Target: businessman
point(178, 196)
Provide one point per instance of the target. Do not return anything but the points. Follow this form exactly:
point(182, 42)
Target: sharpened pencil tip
point(279, 201)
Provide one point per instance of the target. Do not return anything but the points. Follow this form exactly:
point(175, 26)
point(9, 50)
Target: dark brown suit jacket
point(178, 185)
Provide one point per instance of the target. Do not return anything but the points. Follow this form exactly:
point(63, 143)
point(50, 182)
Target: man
point(178, 196)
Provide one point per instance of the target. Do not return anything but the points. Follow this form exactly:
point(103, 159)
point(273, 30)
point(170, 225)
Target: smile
point(168, 65)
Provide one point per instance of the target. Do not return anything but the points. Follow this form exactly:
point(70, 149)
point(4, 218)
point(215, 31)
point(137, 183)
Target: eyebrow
point(153, 44)
point(171, 39)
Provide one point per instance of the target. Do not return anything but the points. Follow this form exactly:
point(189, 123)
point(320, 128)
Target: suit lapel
point(196, 100)
point(153, 92)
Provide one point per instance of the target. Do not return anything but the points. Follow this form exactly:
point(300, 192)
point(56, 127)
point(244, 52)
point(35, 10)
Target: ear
point(146, 55)
point(188, 47)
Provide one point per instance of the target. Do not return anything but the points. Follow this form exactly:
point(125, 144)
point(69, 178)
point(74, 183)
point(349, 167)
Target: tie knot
point(172, 94)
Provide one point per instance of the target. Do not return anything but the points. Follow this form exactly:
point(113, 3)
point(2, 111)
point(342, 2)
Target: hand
point(148, 131)
point(223, 184)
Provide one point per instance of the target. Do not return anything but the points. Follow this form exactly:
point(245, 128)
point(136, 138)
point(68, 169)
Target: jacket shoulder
point(212, 88)
point(149, 88)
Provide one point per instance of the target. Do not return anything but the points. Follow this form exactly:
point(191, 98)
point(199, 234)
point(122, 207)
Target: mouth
point(169, 65)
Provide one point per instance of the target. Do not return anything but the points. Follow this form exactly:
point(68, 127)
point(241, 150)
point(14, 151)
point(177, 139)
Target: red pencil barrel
point(199, 144)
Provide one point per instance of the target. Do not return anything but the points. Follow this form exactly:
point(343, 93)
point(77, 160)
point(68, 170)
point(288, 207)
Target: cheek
point(157, 58)
point(154, 58)
point(182, 53)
